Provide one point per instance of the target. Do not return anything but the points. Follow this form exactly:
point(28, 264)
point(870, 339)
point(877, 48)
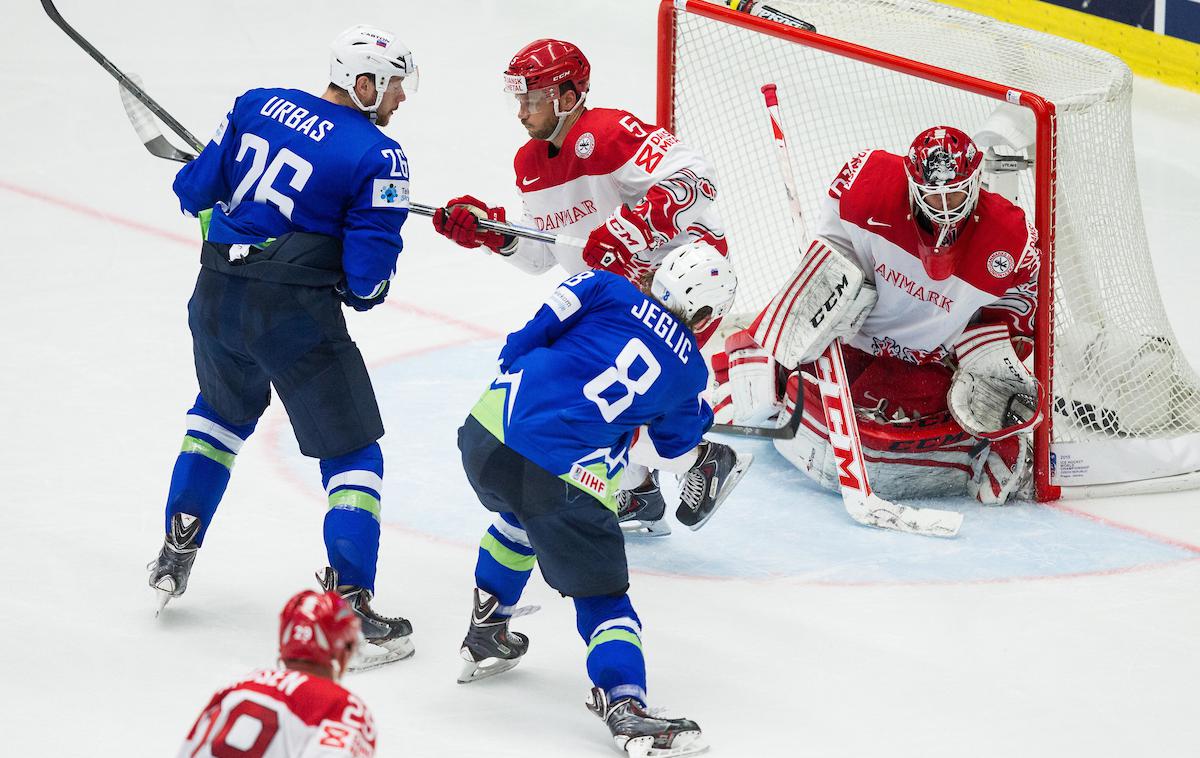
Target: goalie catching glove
point(827, 298)
point(459, 221)
point(992, 394)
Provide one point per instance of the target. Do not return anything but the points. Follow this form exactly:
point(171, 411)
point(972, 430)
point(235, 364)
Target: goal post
point(1123, 407)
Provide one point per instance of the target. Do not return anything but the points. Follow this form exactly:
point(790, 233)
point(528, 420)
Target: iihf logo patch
point(586, 145)
point(1000, 264)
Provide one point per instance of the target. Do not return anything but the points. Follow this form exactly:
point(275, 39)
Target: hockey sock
point(505, 561)
point(201, 473)
point(354, 483)
point(612, 631)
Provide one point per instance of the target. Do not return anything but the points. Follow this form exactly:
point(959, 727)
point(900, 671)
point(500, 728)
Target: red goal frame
point(1045, 167)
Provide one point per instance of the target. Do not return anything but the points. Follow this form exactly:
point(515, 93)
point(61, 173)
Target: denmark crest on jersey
point(1000, 264)
point(585, 145)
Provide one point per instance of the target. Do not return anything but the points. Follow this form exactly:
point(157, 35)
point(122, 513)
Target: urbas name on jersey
point(300, 163)
point(916, 317)
point(610, 159)
point(282, 713)
point(597, 361)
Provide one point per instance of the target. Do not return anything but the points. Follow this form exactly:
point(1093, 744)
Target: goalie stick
point(143, 109)
point(861, 502)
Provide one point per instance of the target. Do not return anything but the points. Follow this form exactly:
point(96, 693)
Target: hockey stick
point(143, 109)
point(127, 85)
point(863, 505)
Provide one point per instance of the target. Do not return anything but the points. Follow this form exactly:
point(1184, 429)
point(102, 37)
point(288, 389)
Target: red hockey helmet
point(317, 627)
point(944, 170)
point(545, 65)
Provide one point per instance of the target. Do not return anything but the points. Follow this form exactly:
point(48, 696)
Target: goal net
point(1125, 404)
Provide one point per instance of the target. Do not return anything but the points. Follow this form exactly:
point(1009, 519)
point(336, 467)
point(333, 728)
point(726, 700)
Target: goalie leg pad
point(826, 298)
point(752, 379)
point(1001, 470)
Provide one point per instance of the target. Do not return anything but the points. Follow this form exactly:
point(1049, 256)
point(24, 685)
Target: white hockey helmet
point(366, 50)
point(692, 277)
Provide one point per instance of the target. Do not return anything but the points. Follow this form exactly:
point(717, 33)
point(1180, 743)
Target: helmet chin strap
point(372, 110)
point(562, 117)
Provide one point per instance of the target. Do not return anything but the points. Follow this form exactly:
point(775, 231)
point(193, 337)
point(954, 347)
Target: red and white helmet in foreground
point(366, 50)
point(944, 169)
point(539, 70)
point(693, 277)
point(318, 627)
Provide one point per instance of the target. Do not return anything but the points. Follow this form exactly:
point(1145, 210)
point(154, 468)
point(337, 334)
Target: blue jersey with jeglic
point(320, 167)
point(598, 360)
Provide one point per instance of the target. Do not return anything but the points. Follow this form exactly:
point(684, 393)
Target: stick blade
point(876, 512)
point(147, 128)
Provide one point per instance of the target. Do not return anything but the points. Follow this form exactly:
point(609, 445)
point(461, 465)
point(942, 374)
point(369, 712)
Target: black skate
point(385, 640)
point(489, 647)
point(641, 510)
point(641, 733)
point(169, 572)
point(709, 482)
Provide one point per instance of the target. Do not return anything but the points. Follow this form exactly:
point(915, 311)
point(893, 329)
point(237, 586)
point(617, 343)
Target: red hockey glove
point(459, 221)
point(613, 245)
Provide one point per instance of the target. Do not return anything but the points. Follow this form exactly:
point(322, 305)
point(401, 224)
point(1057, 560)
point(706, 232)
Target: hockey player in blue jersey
point(301, 200)
point(544, 449)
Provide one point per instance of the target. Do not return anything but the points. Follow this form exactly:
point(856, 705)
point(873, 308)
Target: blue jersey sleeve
point(378, 210)
point(565, 306)
point(201, 183)
point(681, 429)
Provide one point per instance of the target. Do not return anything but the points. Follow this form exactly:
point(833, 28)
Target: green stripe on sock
point(615, 635)
point(506, 556)
point(200, 447)
point(355, 499)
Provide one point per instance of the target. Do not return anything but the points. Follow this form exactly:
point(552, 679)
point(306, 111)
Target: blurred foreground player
point(544, 449)
point(301, 200)
point(299, 710)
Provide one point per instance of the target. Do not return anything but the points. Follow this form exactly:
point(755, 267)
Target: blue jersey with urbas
point(300, 163)
point(597, 361)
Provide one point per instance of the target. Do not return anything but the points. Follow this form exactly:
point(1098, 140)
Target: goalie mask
point(693, 277)
point(365, 50)
point(944, 170)
point(537, 73)
point(319, 628)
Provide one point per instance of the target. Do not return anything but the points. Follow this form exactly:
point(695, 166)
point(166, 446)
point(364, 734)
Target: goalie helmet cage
point(1124, 413)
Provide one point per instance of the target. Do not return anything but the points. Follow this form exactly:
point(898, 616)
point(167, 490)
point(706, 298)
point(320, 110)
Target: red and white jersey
point(916, 317)
point(282, 713)
point(610, 158)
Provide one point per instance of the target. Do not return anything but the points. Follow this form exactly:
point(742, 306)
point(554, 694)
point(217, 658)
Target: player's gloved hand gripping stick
point(143, 110)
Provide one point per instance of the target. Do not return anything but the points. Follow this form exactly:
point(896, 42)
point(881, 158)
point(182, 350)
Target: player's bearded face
point(535, 110)
point(392, 97)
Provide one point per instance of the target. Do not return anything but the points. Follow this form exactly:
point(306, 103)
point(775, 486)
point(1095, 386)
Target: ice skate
point(709, 482)
point(169, 571)
point(385, 640)
point(644, 734)
point(489, 647)
point(641, 510)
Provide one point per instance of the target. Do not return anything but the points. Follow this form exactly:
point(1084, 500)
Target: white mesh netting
point(1117, 370)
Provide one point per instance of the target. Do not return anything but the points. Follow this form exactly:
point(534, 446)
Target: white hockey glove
point(752, 376)
point(826, 298)
point(992, 394)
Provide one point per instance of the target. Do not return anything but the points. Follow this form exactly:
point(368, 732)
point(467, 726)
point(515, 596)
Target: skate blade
point(685, 743)
point(372, 655)
point(735, 476)
point(473, 671)
point(163, 591)
point(660, 528)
